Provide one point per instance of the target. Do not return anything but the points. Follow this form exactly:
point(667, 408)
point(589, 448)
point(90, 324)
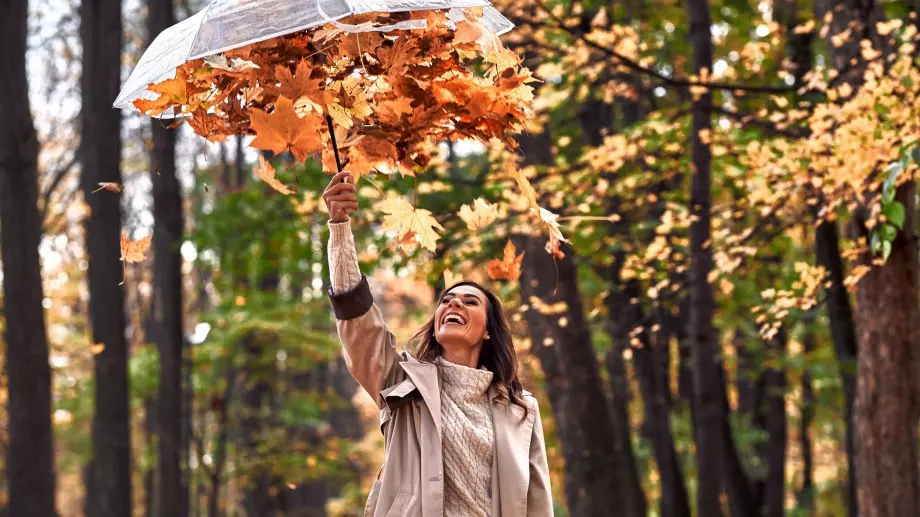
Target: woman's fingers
point(341, 198)
point(338, 179)
point(336, 189)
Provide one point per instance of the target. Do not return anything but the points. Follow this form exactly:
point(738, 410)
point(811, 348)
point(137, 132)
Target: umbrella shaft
point(335, 147)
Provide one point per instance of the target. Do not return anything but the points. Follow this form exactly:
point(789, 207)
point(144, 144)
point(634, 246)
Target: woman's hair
point(498, 354)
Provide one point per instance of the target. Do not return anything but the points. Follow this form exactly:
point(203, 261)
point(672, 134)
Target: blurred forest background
point(733, 329)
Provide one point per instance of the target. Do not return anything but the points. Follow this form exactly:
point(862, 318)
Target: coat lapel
point(425, 377)
point(511, 460)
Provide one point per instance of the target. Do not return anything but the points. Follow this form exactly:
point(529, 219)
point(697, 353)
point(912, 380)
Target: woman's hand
point(340, 197)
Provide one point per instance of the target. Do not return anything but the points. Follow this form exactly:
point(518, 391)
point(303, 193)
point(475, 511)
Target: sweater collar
point(470, 380)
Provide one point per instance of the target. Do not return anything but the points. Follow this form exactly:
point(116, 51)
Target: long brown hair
point(498, 354)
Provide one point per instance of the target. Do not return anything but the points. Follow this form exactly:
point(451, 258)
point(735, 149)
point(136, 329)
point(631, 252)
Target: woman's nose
point(455, 302)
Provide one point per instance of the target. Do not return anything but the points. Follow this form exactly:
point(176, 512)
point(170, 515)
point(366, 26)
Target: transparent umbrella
point(229, 24)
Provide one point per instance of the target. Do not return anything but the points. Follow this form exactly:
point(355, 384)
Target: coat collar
point(425, 378)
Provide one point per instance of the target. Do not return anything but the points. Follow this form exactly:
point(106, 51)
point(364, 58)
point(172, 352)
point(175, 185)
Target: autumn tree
point(167, 308)
point(109, 493)
point(30, 461)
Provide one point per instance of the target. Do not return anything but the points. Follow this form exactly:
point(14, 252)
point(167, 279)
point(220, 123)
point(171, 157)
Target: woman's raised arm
point(369, 346)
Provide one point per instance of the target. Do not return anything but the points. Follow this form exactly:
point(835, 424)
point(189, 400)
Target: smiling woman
point(463, 438)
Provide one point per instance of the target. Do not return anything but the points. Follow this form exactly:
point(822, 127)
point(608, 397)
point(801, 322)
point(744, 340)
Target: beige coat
point(407, 391)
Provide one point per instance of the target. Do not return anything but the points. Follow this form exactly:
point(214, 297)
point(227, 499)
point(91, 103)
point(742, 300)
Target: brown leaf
point(212, 127)
point(111, 187)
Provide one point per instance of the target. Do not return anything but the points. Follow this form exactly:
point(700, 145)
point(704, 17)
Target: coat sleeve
point(368, 344)
point(539, 492)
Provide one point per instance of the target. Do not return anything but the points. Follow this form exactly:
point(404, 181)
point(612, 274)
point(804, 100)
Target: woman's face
point(460, 319)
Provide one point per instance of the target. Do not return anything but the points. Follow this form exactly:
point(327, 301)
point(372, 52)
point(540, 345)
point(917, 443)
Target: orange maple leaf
point(282, 130)
point(133, 251)
point(509, 267)
point(299, 86)
point(267, 174)
point(172, 93)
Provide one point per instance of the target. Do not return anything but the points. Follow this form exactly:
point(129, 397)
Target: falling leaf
point(267, 174)
point(97, 348)
point(509, 267)
point(480, 215)
point(111, 187)
point(403, 218)
point(451, 279)
point(157, 168)
point(134, 251)
point(524, 185)
point(206, 189)
point(282, 130)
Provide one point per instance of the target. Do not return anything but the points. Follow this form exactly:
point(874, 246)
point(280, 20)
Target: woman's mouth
point(453, 319)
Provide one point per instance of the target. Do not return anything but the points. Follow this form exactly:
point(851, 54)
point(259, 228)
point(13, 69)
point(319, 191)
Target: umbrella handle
point(335, 148)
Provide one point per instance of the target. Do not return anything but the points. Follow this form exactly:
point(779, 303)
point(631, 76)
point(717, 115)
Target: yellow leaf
point(97, 348)
point(451, 279)
point(480, 215)
point(403, 218)
point(341, 116)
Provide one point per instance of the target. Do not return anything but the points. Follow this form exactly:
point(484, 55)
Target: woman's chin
point(453, 339)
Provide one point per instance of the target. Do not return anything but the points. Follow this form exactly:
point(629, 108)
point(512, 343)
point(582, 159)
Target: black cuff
point(354, 303)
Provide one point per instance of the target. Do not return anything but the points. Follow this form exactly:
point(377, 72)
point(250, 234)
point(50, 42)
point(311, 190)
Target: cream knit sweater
point(466, 416)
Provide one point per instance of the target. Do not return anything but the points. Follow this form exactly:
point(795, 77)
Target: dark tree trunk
point(843, 333)
point(708, 392)
point(30, 459)
point(100, 149)
point(596, 119)
point(651, 367)
point(775, 413)
point(805, 497)
point(595, 468)
point(886, 408)
point(172, 496)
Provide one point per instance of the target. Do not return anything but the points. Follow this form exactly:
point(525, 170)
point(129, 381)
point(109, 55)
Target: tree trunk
point(596, 118)
point(886, 409)
point(595, 468)
point(805, 496)
point(30, 460)
point(652, 374)
point(708, 392)
point(167, 308)
point(843, 333)
point(100, 149)
point(775, 412)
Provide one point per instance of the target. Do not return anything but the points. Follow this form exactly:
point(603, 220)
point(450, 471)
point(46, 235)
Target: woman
point(462, 437)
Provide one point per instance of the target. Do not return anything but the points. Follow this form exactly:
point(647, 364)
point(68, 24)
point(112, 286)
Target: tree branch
point(675, 82)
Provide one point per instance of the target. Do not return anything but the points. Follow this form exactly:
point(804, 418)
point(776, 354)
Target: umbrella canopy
point(229, 24)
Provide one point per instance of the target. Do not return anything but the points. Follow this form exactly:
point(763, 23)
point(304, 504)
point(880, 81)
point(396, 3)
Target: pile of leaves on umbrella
point(391, 95)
